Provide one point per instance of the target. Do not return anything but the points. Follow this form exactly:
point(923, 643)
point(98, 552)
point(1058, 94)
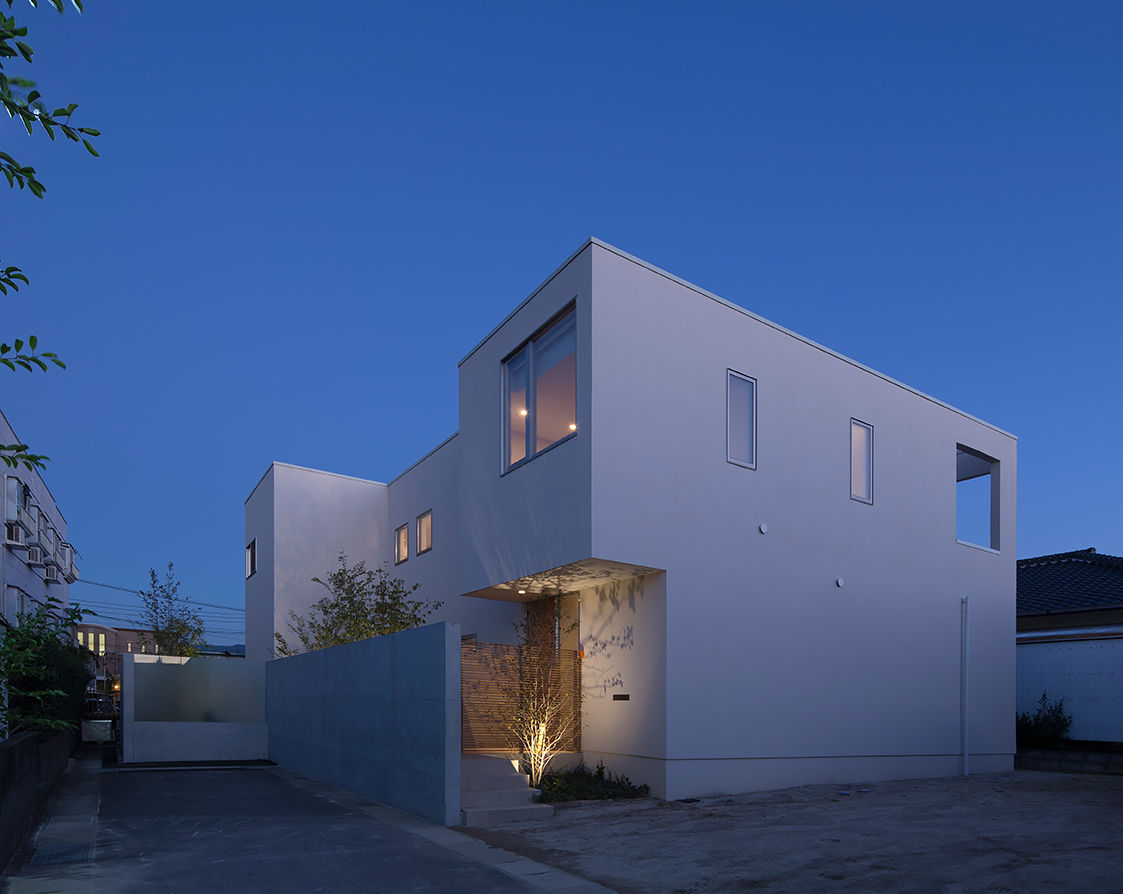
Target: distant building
point(1070, 639)
point(37, 560)
point(109, 644)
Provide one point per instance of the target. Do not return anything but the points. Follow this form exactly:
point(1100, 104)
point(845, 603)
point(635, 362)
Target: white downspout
point(965, 676)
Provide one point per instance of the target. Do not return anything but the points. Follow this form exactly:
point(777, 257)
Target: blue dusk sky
point(305, 214)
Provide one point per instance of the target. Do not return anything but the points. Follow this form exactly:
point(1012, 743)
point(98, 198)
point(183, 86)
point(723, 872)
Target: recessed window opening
point(740, 431)
point(251, 557)
point(540, 391)
point(861, 461)
point(425, 531)
point(976, 498)
point(401, 544)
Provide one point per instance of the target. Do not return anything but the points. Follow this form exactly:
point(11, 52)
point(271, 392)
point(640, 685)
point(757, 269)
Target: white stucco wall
point(537, 516)
point(302, 519)
point(431, 484)
point(768, 660)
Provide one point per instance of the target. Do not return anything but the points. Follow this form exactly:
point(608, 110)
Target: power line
point(94, 583)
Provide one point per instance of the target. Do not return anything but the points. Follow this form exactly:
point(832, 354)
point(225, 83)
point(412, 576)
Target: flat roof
point(592, 240)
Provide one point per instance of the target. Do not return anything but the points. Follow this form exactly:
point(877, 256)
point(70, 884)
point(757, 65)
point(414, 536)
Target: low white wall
point(1088, 674)
point(192, 709)
point(380, 717)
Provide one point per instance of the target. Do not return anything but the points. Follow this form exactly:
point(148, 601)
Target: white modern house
point(37, 561)
point(763, 550)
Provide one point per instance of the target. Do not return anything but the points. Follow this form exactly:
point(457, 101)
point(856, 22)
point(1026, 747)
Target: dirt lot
point(1026, 831)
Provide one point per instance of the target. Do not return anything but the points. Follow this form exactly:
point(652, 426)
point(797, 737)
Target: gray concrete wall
point(30, 766)
point(380, 717)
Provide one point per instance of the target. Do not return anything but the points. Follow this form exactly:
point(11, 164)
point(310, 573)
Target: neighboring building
point(109, 644)
point(37, 561)
point(762, 548)
point(1070, 639)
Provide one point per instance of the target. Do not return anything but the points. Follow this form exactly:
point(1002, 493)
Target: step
point(484, 765)
point(491, 816)
point(511, 797)
point(494, 783)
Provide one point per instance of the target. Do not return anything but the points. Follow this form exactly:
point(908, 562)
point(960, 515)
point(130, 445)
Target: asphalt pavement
point(258, 829)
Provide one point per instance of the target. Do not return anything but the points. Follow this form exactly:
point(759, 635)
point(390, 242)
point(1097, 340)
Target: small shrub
point(1047, 727)
point(580, 784)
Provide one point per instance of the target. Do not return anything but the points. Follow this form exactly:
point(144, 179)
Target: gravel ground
point(1025, 831)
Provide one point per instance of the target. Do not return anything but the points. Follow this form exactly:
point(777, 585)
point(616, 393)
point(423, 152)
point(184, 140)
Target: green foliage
point(1047, 727)
point(361, 603)
point(579, 784)
point(175, 628)
point(43, 670)
point(24, 103)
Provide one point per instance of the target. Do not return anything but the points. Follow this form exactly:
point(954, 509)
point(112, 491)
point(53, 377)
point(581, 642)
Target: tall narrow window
point(100, 643)
point(977, 498)
point(425, 532)
point(401, 544)
point(740, 433)
point(540, 387)
point(81, 638)
point(861, 461)
point(251, 557)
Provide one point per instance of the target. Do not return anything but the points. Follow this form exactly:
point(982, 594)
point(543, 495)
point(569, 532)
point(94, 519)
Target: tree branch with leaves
point(361, 603)
point(24, 103)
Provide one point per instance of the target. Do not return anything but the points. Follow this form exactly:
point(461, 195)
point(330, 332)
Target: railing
point(497, 682)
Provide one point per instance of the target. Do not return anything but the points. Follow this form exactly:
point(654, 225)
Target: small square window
point(861, 461)
point(425, 532)
point(251, 557)
point(401, 544)
point(740, 425)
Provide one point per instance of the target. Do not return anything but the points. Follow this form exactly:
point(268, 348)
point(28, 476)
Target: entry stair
point(492, 791)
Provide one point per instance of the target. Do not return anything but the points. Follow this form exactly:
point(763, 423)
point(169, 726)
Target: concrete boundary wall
point(30, 765)
point(380, 717)
point(192, 709)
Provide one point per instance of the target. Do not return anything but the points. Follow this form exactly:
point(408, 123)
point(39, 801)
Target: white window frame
point(401, 555)
point(869, 462)
point(428, 513)
point(531, 394)
point(251, 558)
point(730, 375)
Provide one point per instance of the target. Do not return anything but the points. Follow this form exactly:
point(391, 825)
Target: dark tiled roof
point(1066, 582)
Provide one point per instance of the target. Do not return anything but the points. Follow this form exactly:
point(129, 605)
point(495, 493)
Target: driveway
point(1024, 831)
point(252, 830)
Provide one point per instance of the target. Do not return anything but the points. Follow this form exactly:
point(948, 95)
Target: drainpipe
point(964, 676)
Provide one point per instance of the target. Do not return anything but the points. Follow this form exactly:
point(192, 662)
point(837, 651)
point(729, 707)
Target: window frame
point(251, 558)
point(527, 346)
point(731, 374)
point(869, 461)
point(428, 513)
point(401, 556)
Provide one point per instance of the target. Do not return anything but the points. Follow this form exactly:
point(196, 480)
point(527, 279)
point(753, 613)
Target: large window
point(425, 532)
point(740, 431)
point(540, 387)
point(861, 461)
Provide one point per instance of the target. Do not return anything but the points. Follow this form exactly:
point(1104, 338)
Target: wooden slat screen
point(491, 676)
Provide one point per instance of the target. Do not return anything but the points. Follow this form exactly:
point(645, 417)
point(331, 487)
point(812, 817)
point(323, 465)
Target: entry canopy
point(563, 579)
